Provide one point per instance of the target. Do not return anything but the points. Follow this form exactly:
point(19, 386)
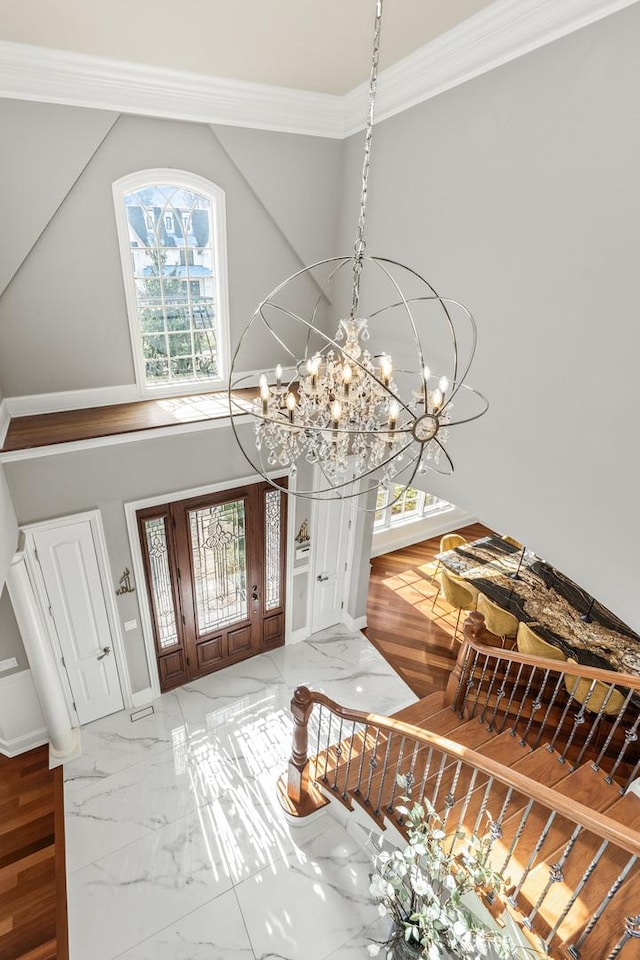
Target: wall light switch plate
point(8, 664)
point(130, 624)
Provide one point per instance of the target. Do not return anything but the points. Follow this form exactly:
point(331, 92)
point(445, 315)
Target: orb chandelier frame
point(332, 402)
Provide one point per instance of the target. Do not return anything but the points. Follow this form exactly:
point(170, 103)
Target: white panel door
point(330, 539)
point(69, 564)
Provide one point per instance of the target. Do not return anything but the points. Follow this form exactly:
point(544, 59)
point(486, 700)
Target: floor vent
point(140, 714)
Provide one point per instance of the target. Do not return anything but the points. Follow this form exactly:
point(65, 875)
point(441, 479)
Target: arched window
point(172, 234)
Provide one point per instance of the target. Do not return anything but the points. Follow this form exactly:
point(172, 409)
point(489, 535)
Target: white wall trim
point(354, 623)
point(54, 76)
point(37, 403)
point(505, 30)
point(403, 535)
point(5, 419)
point(21, 723)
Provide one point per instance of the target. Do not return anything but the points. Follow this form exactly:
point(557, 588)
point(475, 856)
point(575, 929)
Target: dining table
point(546, 600)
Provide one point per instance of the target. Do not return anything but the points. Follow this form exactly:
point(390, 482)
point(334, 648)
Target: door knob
point(321, 579)
point(105, 653)
point(254, 592)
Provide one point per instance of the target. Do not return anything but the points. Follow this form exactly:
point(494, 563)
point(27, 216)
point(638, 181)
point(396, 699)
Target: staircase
point(507, 749)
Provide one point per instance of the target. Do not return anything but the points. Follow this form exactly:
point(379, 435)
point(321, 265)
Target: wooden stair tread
point(589, 787)
point(415, 713)
point(610, 927)
point(582, 853)
point(545, 768)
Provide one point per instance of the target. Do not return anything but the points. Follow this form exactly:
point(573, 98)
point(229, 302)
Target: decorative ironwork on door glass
point(272, 540)
point(218, 546)
point(161, 592)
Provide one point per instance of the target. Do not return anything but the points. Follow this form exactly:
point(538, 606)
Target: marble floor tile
point(347, 668)
point(115, 742)
point(215, 931)
point(129, 895)
point(177, 846)
point(310, 907)
point(113, 811)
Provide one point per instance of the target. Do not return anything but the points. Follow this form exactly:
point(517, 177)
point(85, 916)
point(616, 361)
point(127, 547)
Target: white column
point(62, 737)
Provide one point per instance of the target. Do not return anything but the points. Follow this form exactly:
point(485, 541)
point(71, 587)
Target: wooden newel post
point(472, 630)
point(298, 774)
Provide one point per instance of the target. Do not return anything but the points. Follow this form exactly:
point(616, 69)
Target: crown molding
point(55, 76)
point(505, 30)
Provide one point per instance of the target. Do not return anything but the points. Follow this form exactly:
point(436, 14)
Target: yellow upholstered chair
point(449, 542)
point(498, 621)
point(457, 594)
point(527, 641)
point(579, 688)
point(514, 543)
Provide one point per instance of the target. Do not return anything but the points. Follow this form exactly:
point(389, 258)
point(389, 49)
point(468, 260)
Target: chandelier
point(335, 398)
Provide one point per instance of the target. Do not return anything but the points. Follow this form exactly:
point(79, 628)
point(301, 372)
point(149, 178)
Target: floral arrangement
point(422, 888)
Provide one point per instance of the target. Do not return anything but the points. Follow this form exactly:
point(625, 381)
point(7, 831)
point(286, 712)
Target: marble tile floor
point(177, 848)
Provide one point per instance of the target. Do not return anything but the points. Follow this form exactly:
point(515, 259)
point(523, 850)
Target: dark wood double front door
point(215, 571)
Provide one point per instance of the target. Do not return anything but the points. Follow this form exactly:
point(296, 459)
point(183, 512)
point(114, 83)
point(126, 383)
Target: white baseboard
point(143, 698)
point(18, 745)
point(36, 403)
point(396, 538)
point(297, 635)
point(22, 725)
point(354, 623)
point(5, 419)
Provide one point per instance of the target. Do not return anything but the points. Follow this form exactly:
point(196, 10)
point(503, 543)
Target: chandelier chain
point(360, 245)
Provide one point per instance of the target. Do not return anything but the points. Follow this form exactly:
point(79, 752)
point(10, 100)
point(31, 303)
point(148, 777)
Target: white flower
point(382, 910)
point(420, 885)
point(459, 929)
point(373, 949)
point(434, 952)
point(450, 882)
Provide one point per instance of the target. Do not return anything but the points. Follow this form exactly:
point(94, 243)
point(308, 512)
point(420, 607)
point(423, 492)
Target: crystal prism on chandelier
point(333, 394)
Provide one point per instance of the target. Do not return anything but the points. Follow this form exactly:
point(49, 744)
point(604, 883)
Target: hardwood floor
point(33, 901)
point(416, 641)
point(70, 426)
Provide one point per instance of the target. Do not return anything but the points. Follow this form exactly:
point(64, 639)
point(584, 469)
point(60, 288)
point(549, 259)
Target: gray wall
point(517, 194)
point(63, 320)
point(10, 639)
point(8, 528)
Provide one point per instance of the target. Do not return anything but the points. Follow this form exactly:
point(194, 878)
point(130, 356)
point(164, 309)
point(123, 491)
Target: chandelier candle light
point(333, 402)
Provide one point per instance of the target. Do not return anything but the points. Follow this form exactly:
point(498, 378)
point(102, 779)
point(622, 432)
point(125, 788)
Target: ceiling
point(317, 45)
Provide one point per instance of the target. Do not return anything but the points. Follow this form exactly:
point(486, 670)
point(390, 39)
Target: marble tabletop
point(548, 602)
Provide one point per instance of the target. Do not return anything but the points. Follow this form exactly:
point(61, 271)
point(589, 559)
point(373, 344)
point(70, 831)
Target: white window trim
point(188, 181)
point(388, 522)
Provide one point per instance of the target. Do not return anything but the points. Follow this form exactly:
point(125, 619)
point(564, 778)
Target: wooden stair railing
point(536, 698)
point(572, 867)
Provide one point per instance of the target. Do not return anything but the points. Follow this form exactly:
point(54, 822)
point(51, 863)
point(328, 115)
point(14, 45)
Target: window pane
point(171, 240)
point(218, 547)
point(161, 592)
point(272, 511)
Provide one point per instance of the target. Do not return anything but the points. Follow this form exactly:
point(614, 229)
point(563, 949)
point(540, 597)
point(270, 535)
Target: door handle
point(105, 653)
point(254, 592)
point(321, 579)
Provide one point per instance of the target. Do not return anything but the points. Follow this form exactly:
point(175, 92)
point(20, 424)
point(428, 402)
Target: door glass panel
point(161, 592)
point(272, 513)
point(218, 546)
